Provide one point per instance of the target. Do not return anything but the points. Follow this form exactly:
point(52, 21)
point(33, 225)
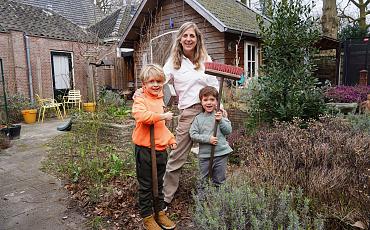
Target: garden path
point(29, 198)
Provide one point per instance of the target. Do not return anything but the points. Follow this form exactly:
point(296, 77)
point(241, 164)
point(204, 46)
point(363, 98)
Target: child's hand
point(138, 93)
point(213, 140)
point(218, 116)
point(167, 116)
point(173, 146)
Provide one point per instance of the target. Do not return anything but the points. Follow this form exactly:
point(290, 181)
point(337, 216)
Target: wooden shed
point(230, 29)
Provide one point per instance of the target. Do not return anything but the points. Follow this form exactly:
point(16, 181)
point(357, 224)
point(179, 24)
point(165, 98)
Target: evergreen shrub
point(286, 88)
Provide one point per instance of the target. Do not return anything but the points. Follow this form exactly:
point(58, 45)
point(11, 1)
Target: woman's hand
point(173, 146)
point(167, 116)
point(138, 93)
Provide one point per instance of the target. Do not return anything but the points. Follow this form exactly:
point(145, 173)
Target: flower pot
point(29, 115)
point(12, 131)
point(89, 107)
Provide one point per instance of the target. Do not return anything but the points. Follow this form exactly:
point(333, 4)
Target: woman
point(185, 68)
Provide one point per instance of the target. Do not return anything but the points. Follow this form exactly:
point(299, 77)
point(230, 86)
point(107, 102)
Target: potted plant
point(12, 116)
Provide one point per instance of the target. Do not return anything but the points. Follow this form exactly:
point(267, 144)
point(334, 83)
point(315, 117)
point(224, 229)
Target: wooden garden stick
point(154, 172)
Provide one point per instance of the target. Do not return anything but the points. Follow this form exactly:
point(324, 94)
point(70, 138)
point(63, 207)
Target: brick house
point(230, 29)
point(43, 52)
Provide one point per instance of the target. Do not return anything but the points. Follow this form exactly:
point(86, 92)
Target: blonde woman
point(185, 68)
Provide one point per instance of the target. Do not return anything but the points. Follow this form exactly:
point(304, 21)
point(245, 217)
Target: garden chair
point(48, 103)
point(73, 98)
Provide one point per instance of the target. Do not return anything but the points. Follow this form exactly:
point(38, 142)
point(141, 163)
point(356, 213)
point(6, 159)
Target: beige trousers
point(177, 157)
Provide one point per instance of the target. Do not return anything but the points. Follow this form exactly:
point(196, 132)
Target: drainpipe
point(28, 59)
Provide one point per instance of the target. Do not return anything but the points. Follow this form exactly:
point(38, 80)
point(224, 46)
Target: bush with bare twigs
point(328, 159)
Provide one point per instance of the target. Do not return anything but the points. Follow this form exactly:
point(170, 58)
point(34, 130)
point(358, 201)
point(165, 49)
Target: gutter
point(239, 32)
point(28, 59)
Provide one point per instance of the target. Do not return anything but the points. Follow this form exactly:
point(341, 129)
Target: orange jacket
point(146, 111)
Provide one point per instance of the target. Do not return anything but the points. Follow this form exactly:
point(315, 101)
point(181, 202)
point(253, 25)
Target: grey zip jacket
point(201, 131)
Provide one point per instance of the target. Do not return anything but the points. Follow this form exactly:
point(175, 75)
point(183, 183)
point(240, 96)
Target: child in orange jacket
point(148, 109)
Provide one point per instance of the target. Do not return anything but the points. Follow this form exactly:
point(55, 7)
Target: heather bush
point(242, 206)
point(347, 94)
point(328, 159)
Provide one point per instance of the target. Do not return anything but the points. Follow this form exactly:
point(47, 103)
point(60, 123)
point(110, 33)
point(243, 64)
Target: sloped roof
point(229, 16)
point(234, 15)
point(81, 12)
point(112, 25)
point(35, 21)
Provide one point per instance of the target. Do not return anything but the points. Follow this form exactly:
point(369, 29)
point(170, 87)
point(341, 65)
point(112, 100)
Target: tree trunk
point(329, 19)
point(362, 18)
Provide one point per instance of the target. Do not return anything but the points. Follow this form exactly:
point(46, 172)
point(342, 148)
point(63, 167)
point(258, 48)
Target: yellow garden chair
point(74, 98)
point(48, 103)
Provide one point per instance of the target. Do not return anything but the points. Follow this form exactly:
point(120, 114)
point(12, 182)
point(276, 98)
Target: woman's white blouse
point(188, 82)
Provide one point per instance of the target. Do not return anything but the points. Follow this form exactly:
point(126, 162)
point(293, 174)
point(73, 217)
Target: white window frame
point(250, 61)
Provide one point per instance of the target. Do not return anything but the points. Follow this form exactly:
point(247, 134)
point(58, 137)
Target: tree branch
point(355, 3)
point(349, 18)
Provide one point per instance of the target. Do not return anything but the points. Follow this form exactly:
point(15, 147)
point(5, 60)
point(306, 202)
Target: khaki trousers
point(177, 157)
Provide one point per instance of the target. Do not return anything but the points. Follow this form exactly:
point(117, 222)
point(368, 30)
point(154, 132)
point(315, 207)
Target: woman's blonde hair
point(150, 70)
point(200, 53)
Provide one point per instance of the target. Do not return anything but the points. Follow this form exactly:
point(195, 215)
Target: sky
point(317, 10)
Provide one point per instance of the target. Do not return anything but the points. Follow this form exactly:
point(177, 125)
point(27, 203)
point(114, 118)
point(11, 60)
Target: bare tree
point(329, 19)
point(362, 7)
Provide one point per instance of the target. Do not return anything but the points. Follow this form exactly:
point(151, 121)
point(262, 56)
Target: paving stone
point(29, 198)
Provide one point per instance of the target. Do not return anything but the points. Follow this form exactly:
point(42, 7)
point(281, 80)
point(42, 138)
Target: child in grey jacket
point(201, 131)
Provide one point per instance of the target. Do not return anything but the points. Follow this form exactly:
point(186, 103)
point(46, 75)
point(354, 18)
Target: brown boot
point(150, 224)
point(164, 221)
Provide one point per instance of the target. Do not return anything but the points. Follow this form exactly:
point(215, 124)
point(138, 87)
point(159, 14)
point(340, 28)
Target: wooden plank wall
point(159, 22)
point(122, 73)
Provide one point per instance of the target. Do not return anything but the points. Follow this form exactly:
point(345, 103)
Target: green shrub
point(17, 103)
point(112, 106)
point(327, 159)
point(242, 206)
point(360, 123)
point(287, 89)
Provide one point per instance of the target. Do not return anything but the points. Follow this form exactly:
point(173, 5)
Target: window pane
point(253, 72)
point(249, 52)
point(253, 53)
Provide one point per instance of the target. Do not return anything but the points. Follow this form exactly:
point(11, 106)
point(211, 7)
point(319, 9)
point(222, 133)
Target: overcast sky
point(317, 10)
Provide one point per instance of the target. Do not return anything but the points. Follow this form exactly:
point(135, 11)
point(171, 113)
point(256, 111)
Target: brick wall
point(13, 53)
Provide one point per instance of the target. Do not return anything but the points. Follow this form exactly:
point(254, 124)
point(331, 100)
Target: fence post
point(363, 77)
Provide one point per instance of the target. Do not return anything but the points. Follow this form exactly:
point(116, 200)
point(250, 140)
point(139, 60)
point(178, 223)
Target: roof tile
point(36, 21)
point(233, 14)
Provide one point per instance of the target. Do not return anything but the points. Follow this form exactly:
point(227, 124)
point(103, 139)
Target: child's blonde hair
point(151, 70)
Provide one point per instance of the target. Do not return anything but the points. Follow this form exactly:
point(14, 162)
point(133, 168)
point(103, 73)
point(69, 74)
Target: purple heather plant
point(347, 94)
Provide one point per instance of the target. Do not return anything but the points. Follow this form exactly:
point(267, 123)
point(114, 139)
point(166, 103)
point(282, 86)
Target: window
point(250, 59)
point(62, 73)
